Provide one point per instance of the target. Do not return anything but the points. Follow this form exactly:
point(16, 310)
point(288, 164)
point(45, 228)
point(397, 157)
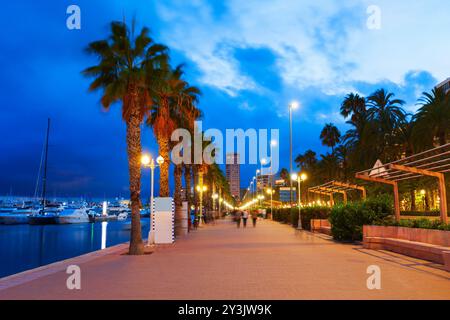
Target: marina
point(24, 247)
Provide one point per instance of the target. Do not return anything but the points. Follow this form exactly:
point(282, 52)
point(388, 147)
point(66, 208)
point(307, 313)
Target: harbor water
point(24, 247)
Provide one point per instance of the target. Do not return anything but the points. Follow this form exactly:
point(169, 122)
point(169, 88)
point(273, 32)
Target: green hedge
point(309, 213)
point(419, 223)
point(435, 213)
point(347, 220)
point(290, 215)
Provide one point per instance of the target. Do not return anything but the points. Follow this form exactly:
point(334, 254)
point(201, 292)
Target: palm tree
point(186, 112)
point(124, 63)
point(284, 174)
point(328, 167)
point(307, 160)
point(386, 115)
point(433, 118)
point(167, 92)
point(383, 108)
point(342, 154)
point(353, 105)
point(330, 136)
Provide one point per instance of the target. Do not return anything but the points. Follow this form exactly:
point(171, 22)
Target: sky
point(250, 58)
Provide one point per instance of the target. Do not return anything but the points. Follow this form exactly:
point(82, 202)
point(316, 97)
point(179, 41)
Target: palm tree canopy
point(353, 105)
point(330, 135)
point(384, 108)
point(433, 118)
point(124, 60)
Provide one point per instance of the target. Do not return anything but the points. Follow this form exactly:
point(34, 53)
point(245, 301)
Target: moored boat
point(72, 216)
point(14, 218)
point(42, 218)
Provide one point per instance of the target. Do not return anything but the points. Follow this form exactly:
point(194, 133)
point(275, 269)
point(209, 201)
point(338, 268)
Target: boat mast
point(44, 180)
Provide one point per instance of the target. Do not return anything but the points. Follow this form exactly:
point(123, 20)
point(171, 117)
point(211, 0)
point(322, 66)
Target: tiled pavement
point(272, 261)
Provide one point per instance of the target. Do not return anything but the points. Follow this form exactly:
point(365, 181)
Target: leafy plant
point(347, 221)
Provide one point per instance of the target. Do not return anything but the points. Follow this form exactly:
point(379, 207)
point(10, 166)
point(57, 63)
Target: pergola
point(332, 187)
point(432, 163)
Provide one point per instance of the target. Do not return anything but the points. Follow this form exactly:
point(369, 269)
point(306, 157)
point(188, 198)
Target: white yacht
point(70, 216)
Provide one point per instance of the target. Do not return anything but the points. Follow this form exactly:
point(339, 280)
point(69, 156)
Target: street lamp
point(299, 179)
point(273, 143)
point(148, 162)
point(292, 106)
point(201, 189)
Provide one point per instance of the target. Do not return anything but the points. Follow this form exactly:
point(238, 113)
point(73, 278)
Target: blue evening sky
point(250, 58)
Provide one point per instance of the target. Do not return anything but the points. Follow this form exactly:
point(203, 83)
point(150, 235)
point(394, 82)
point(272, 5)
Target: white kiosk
point(162, 221)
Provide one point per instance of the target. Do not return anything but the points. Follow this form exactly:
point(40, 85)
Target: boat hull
point(72, 220)
point(41, 220)
point(10, 219)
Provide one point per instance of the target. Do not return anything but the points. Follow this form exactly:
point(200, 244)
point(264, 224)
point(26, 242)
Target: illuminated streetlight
point(299, 179)
point(148, 162)
point(294, 105)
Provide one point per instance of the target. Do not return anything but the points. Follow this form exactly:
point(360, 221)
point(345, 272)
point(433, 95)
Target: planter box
point(320, 225)
point(431, 245)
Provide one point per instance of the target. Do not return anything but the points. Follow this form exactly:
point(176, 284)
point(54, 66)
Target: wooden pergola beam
point(442, 189)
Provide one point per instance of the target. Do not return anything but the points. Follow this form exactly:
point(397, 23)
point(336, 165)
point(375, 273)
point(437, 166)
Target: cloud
point(323, 44)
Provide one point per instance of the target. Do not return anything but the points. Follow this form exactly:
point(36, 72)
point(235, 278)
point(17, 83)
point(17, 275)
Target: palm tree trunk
point(413, 200)
point(164, 150)
point(187, 181)
point(134, 165)
point(180, 216)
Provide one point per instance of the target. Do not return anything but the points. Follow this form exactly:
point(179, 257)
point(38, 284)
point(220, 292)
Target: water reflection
point(24, 247)
point(104, 225)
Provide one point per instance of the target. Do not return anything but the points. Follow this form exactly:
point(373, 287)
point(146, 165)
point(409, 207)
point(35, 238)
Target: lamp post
point(257, 187)
point(273, 143)
point(201, 189)
point(148, 162)
point(292, 106)
point(299, 179)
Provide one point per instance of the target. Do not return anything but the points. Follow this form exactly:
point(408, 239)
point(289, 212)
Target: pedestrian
point(237, 216)
point(254, 218)
point(244, 218)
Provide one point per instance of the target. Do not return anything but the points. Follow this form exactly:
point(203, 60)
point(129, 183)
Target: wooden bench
point(321, 226)
point(430, 245)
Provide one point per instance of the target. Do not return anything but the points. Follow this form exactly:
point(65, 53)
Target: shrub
point(309, 213)
point(435, 213)
point(418, 223)
point(282, 215)
point(347, 220)
point(290, 216)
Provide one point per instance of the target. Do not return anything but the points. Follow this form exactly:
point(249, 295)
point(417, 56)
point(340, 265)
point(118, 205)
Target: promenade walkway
point(272, 261)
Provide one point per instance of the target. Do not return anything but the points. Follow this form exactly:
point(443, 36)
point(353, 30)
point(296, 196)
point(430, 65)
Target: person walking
point(254, 218)
point(244, 218)
point(237, 217)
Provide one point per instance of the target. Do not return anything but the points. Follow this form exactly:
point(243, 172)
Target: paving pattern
point(271, 261)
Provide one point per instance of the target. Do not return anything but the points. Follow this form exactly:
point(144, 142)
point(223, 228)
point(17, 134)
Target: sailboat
point(44, 215)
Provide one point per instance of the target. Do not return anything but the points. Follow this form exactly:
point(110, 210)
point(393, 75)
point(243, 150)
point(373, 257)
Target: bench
point(430, 245)
point(321, 226)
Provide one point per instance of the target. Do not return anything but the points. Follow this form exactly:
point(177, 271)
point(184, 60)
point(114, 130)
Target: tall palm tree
point(124, 60)
point(383, 108)
point(167, 93)
point(353, 105)
point(284, 174)
point(307, 160)
point(330, 136)
point(185, 111)
point(386, 115)
point(433, 118)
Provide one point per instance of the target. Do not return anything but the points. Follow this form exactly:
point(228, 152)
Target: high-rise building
point(263, 181)
point(445, 85)
point(234, 174)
